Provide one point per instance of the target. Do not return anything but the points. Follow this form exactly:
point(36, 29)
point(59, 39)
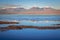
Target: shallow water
point(29, 17)
point(31, 20)
point(31, 33)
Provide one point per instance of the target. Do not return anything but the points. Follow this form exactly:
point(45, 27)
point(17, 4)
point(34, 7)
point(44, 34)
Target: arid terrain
point(33, 10)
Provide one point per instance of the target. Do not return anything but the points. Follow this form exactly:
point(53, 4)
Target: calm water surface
point(31, 20)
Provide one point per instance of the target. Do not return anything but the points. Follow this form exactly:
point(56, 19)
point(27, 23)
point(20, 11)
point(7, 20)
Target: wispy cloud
point(9, 5)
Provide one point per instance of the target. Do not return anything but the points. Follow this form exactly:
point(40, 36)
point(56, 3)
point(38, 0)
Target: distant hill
point(33, 10)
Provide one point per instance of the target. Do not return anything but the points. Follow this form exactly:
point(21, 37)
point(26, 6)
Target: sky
point(30, 3)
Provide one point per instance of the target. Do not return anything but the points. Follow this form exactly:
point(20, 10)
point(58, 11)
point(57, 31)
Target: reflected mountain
point(7, 22)
point(14, 27)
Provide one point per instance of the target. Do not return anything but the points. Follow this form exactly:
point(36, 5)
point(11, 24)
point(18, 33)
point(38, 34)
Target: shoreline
point(7, 22)
point(13, 27)
point(31, 14)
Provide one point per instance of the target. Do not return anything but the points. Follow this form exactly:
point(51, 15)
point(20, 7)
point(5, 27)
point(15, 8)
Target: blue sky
point(30, 3)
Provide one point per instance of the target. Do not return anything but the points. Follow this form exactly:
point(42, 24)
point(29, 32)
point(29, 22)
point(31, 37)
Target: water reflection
point(8, 22)
point(14, 27)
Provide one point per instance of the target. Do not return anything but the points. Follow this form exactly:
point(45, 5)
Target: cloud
point(9, 5)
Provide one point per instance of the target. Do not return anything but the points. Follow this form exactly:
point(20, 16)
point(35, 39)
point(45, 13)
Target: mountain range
point(33, 10)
